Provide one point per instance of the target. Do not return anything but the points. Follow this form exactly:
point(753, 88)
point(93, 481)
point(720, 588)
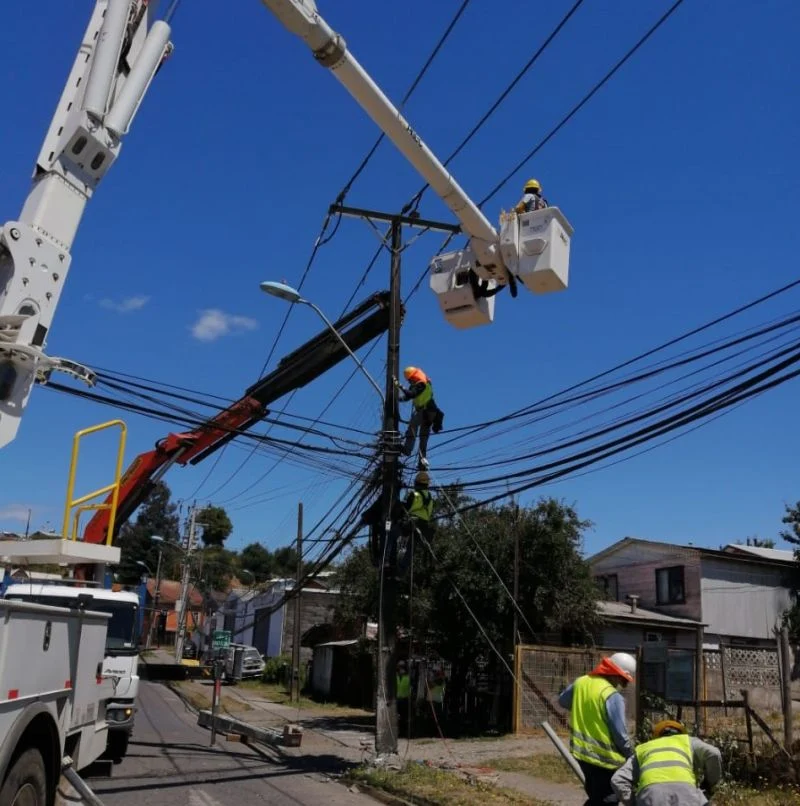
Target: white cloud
point(14, 512)
point(214, 324)
point(135, 303)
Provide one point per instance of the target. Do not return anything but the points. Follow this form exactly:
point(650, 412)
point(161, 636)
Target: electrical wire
point(586, 98)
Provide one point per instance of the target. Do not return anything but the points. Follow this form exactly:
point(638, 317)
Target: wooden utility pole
point(298, 584)
point(186, 570)
point(386, 661)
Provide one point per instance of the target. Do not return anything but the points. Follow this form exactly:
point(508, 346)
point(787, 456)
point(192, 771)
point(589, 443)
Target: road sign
point(221, 639)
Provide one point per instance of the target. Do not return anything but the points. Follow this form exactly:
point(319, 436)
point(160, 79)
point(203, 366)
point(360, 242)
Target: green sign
point(221, 639)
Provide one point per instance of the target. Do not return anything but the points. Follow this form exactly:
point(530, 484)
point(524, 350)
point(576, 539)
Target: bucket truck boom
point(121, 51)
point(533, 247)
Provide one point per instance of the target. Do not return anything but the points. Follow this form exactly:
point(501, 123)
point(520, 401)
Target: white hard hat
point(625, 663)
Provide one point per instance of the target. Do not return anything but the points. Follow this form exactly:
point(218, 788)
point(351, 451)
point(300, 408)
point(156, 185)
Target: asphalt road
point(170, 763)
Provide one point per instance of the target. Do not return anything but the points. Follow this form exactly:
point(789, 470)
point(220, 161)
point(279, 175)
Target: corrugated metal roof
point(622, 611)
point(784, 555)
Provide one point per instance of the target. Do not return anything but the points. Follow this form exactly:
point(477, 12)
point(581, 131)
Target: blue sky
point(680, 177)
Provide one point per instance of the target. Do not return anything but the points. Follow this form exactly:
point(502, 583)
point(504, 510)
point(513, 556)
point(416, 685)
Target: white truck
point(120, 664)
point(53, 695)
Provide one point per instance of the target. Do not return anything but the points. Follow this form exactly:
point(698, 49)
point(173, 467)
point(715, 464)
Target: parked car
point(253, 663)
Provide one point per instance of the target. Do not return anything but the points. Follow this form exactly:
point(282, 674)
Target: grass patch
point(202, 700)
point(277, 693)
point(547, 766)
point(728, 794)
point(430, 787)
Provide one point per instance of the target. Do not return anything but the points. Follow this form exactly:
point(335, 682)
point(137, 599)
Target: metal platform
point(57, 551)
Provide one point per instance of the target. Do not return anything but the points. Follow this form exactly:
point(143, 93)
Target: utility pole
point(186, 568)
point(515, 637)
point(386, 726)
point(156, 617)
point(297, 609)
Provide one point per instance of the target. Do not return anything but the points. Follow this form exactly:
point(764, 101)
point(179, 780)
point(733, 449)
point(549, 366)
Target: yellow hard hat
point(667, 727)
point(533, 185)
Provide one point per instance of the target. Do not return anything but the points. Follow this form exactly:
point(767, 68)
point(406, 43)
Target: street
point(170, 763)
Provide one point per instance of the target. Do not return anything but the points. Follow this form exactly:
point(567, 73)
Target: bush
point(277, 670)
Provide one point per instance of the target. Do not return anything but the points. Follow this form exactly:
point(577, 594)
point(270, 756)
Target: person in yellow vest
point(668, 769)
point(598, 734)
point(419, 504)
point(403, 696)
point(426, 415)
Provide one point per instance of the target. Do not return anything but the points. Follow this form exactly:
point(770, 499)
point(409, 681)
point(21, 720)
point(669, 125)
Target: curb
point(388, 798)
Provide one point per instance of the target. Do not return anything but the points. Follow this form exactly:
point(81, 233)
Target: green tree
point(791, 518)
point(556, 590)
point(259, 560)
point(216, 525)
point(285, 561)
point(215, 567)
point(157, 515)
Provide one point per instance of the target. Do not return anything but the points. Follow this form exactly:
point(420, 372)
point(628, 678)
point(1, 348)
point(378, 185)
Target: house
point(169, 592)
point(739, 593)
point(626, 626)
point(262, 619)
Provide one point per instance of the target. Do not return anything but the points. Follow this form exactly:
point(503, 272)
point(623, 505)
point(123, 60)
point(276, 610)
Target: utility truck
point(120, 664)
point(53, 692)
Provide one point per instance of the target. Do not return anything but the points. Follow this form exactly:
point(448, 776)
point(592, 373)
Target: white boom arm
point(120, 54)
point(330, 50)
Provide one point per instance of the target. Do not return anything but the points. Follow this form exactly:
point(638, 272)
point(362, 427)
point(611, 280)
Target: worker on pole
point(426, 415)
point(417, 518)
point(598, 734)
point(665, 770)
point(403, 697)
point(532, 198)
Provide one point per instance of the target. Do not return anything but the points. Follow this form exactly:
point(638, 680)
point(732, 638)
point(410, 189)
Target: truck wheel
point(117, 746)
point(26, 782)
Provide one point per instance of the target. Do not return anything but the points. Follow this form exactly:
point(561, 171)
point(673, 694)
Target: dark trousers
point(598, 784)
point(402, 716)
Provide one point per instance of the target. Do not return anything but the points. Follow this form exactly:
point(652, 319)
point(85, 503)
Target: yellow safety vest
point(590, 737)
point(421, 506)
point(403, 687)
point(667, 760)
point(424, 397)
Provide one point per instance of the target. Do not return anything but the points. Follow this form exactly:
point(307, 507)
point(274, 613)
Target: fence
point(542, 673)
point(667, 686)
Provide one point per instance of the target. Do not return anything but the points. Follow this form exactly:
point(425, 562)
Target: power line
point(586, 98)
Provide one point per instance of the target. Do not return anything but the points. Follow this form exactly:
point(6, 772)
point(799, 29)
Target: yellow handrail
point(112, 488)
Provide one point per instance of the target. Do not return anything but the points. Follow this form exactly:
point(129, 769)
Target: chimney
point(634, 600)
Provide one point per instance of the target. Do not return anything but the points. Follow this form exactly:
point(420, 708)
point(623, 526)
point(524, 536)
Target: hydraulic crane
point(364, 323)
point(122, 50)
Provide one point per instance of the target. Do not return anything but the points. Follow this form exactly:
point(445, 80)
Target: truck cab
point(121, 651)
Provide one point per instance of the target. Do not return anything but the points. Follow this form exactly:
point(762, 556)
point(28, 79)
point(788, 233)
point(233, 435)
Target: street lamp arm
point(344, 344)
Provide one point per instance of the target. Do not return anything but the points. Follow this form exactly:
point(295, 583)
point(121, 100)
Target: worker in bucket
point(665, 770)
point(532, 198)
point(598, 735)
point(426, 415)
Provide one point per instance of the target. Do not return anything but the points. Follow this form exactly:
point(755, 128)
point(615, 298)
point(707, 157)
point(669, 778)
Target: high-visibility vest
point(421, 506)
point(437, 693)
point(667, 760)
point(590, 737)
point(424, 397)
point(403, 687)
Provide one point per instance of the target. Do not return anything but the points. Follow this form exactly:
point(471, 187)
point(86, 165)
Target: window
point(670, 587)
point(609, 586)
point(652, 636)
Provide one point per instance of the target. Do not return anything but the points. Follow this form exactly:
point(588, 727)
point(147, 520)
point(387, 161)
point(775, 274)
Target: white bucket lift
point(449, 280)
point(535, 247)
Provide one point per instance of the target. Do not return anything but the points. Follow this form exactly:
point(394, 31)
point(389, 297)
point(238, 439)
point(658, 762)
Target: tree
point(556, 591)
point(214, 568)
point(216, 525)
point(285, 561)
point(258, 560)
point(792, 519)
point(157, 515)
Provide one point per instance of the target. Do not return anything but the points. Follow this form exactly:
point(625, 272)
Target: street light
point(292, 295)
point(145, 566)
point(157, 592)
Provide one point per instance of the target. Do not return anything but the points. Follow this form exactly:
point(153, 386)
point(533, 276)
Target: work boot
point(423, 463)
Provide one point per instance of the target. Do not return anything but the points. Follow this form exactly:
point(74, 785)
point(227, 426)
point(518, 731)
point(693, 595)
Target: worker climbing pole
point(386, 516)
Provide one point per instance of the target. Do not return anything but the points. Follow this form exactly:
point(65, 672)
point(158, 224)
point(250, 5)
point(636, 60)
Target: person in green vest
point(417, 518)
point(426, 415)
point(668, 769)
point(598, 734)
point(403, 697)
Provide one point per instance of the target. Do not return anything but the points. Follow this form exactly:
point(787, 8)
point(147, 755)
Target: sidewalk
point(346, 737)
